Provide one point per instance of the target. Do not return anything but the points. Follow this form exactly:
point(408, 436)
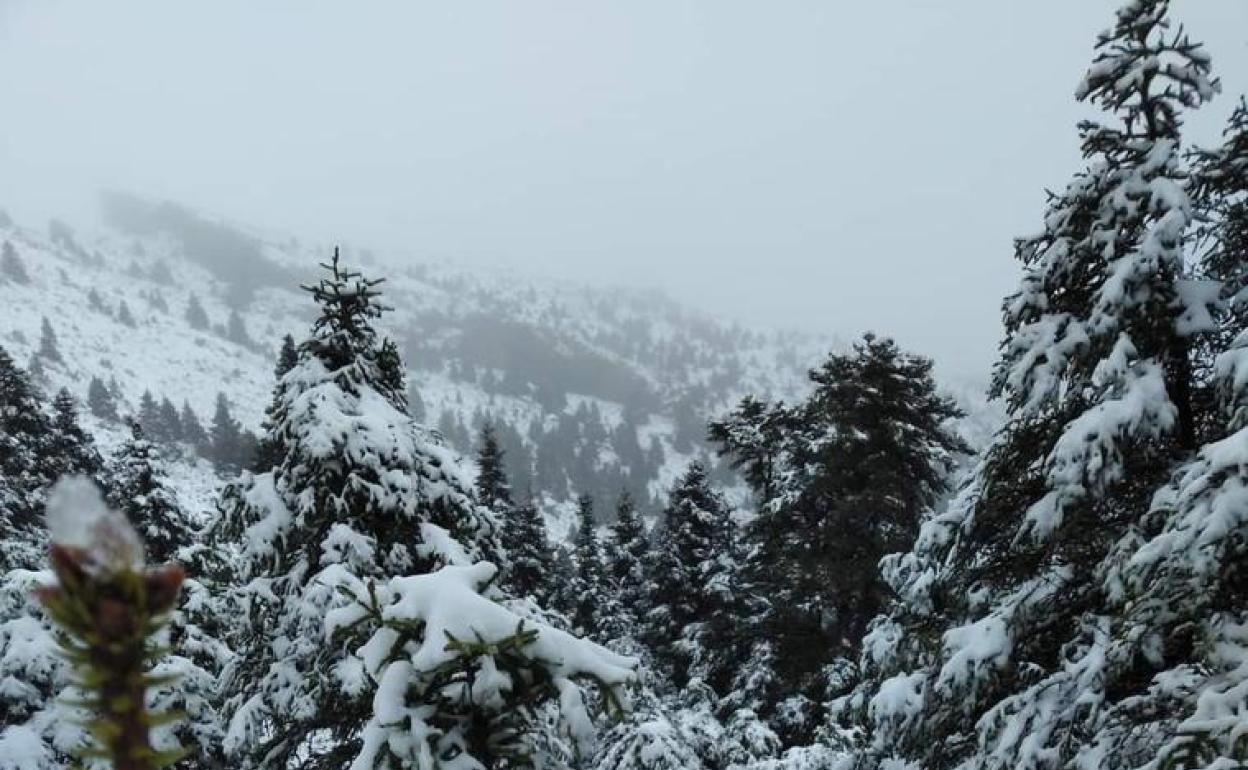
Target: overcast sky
point(830, 164)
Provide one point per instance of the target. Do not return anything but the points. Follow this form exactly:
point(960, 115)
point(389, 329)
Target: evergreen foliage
point(11, 266)
point(100, 401)
point(48, 349)
point(196, 316)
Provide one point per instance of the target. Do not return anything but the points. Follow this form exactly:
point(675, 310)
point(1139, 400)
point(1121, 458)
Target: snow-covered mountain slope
point(595, 389)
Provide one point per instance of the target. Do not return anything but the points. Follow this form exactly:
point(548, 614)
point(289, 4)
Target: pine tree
point(196, 316)
point(587, 591)
point(95, 302)
point(139, 489)
point(532, 570)
point(225, 438)
point(101, 401)
point(170, 422)
point(72, 449)
point(493, 490)
point(393, 378)
point(1009, 604)
point(11, 266)
point(236, 330)
point(149, 412)
point(27, 466)
point(629, 546)
point(686, 571)
point(48, 349)
point(415, 404)
point(287, 357)
point(124, 316)
point(331, 508)
point(193, 431)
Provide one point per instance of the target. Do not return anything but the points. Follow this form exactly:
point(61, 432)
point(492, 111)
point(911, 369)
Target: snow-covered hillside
point(596, 389)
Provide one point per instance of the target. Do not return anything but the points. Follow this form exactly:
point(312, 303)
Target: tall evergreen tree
point(629, 546)
point(48, 349)
point(586, 591)
point(687, 572)
point(193, 431)
point(287, 357)
point(493, 489)
point(73, 450)
point(149, 411)
point(1003, 649)
point(139, 489)
point(196, 316)
point(335, 503)
point(124, 316)
point(170, 422)
point(226, 447)
point(136, 475)
point(26, 465)
point(236, 330)
point(840, 480)
point(100, 401)
point(531, 568)
point(11, 266)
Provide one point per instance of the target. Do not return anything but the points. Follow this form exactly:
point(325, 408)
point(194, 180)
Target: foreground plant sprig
point(108, 607)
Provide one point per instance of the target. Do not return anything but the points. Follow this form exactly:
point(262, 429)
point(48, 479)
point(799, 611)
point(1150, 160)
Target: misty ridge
point(656, 429)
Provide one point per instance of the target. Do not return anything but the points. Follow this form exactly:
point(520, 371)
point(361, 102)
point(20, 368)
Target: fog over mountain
point(833, 166)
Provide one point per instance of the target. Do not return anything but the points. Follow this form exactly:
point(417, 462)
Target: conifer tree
point(686, 571)
point(1004, 648)
point(170, 422)
point(95, 302)
point(73, 451)
point(225, 438)
point(139, 491)
point(493, 489)
point(196, 316)
point(287, 357)
point(11, 266)
point(531, 569)
point(629, 546)
point(124, 315)
point(193, 431)
point(48, 349)
point(26, 465)
point(100, 401)
point(333, 505)
point(587, 593)
point(149, 411)
point(415, 404)
point(236, 330)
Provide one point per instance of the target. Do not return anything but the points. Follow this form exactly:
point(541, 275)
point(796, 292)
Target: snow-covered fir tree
point(100, 401)
point(370, 636)
point(530, 555)
point(193, 431)
point(1006, 647)
point(139, 490)
point(48, 349)
point(27, 465)
point(73, 449)
point(493, 488)
point(839, 480)
point(626, 565)
point(691, 577)
point(11, 266)
point(586, 594)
